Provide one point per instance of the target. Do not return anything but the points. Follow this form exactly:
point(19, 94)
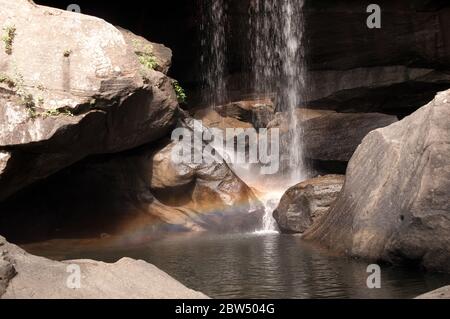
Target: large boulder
point(84, 88)
point(303, 204)
point(395, 204)
point(41, 278)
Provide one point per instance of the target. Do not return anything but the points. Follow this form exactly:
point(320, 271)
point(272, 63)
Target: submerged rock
point(41, 278)
point(395, 204)
point(303, 204)
point(83, 88)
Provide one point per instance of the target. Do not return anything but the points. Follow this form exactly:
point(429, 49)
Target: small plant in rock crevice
point(9, 33)
point(148, 60)
point(145, 55)
point(27, 99)
point(181, 94)
point(57, 112)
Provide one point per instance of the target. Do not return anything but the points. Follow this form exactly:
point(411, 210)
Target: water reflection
point(260, 266)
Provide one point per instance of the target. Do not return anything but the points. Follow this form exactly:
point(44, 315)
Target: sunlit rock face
point(304, 204)
point(395, 203)
point(72, 85)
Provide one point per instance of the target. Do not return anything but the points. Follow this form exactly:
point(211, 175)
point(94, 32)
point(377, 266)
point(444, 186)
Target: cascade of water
point(270, 201)
point(214, 47)
point(277, 36)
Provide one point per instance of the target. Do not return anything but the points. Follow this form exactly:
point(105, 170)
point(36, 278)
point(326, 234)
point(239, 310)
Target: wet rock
point(257, 112)
point(41, 278)
point(213, 119)
point(210, 190)
point(395, 203)
point(79, 90)
point(303, 204)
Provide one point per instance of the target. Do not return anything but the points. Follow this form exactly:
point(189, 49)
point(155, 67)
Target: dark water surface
point(258, 266)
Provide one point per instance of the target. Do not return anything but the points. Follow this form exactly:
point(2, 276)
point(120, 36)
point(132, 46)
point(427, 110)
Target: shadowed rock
point(335, 136)
point(331, 136)
point(143, 193)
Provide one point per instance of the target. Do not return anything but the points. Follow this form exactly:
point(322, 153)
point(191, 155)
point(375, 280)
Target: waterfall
point(270, 201)
point(277, 36)
point(214, 48)
point(278, 58)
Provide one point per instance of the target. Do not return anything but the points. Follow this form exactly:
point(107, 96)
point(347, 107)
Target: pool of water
point(258, 266)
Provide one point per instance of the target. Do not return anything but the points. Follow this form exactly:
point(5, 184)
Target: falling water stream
point(276, 34)
point(278, 55)
point(214, 48)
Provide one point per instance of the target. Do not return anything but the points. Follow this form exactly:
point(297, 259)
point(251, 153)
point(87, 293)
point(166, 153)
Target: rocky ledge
point(25, 276)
